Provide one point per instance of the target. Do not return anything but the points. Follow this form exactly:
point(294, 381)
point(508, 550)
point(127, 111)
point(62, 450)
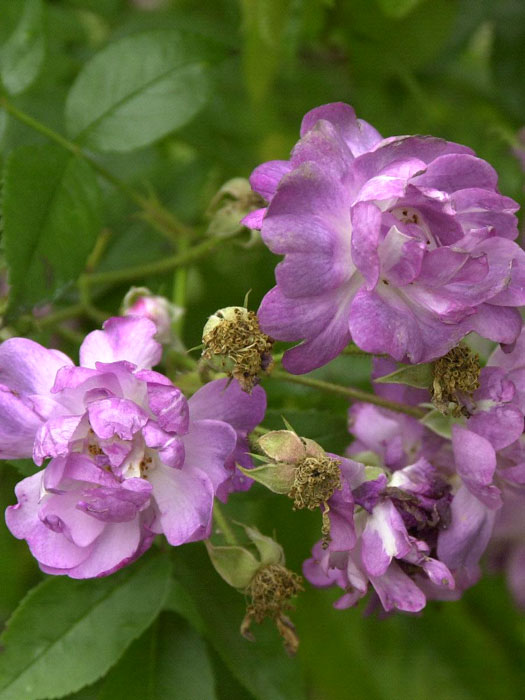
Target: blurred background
point(450, 68)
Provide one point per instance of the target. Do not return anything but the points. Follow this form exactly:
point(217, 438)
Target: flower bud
point(282, 446)
point(234, 344)
point(140, 301)
point(233, 202)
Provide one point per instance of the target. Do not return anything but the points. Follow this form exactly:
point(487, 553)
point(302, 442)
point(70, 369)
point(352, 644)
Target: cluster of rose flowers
point(402, 246)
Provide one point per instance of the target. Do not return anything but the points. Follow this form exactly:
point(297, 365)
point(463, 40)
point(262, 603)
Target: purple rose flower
point(395, 438)
point(489, 457)
point(513, 364)
point(419, 519)
point(507, 547)
point(396, 525)
point(130, 456)
point(403, 245)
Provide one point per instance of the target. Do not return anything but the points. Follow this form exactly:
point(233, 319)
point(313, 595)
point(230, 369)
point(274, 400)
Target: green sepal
point(270, 551)
point(368, 458)
point(287, 425)
point(312, 448)
point(232, 203)
point(259, 458)
point(441, 424)
point(236, 565)
point(282, 446)
point(419, 376)
point(278, 477)
point(373, 473)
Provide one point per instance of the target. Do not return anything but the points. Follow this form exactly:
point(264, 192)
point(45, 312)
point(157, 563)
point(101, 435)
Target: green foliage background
point(167, 104)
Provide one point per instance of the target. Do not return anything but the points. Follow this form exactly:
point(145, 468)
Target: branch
point(349, 393)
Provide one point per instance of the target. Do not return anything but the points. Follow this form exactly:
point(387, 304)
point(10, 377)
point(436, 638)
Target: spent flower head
point(456, 378)
point(233, 343)
point(301, 469)
point(263, 577)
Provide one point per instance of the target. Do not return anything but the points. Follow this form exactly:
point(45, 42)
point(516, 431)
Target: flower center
point(93, 447)
point(409, 215)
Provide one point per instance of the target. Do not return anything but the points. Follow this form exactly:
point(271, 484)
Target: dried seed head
point(315, 481)
point(234, 343)
point(456, 378)
point(270, 591)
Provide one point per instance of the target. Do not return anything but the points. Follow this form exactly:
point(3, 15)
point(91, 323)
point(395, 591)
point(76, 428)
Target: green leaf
point(181, 602)
point(262, 667)
point(264, 27)
point(441, 424)
point(398, 8)
point(138, 89)
point(23, 54)
point(66, 634)
point(170, 660)
point(278, 478)
point(408, 42)
point(413, 651)
point(26, 467)
point(508, 55)
point(18, 566)
point(3, 125)
point(420, 376)
point(227, 687)
point(51, 212)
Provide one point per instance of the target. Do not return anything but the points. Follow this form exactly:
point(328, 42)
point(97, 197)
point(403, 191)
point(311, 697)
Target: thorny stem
point(355, 351)
point(181, 359)
point(87, 305)
point(82, 308)
point(348, 392)
point(224, 526)
point(158, 266)
point(56, 317)
point(98, 251)
point(69, 335)
point(152, 211)
point(180, 285)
